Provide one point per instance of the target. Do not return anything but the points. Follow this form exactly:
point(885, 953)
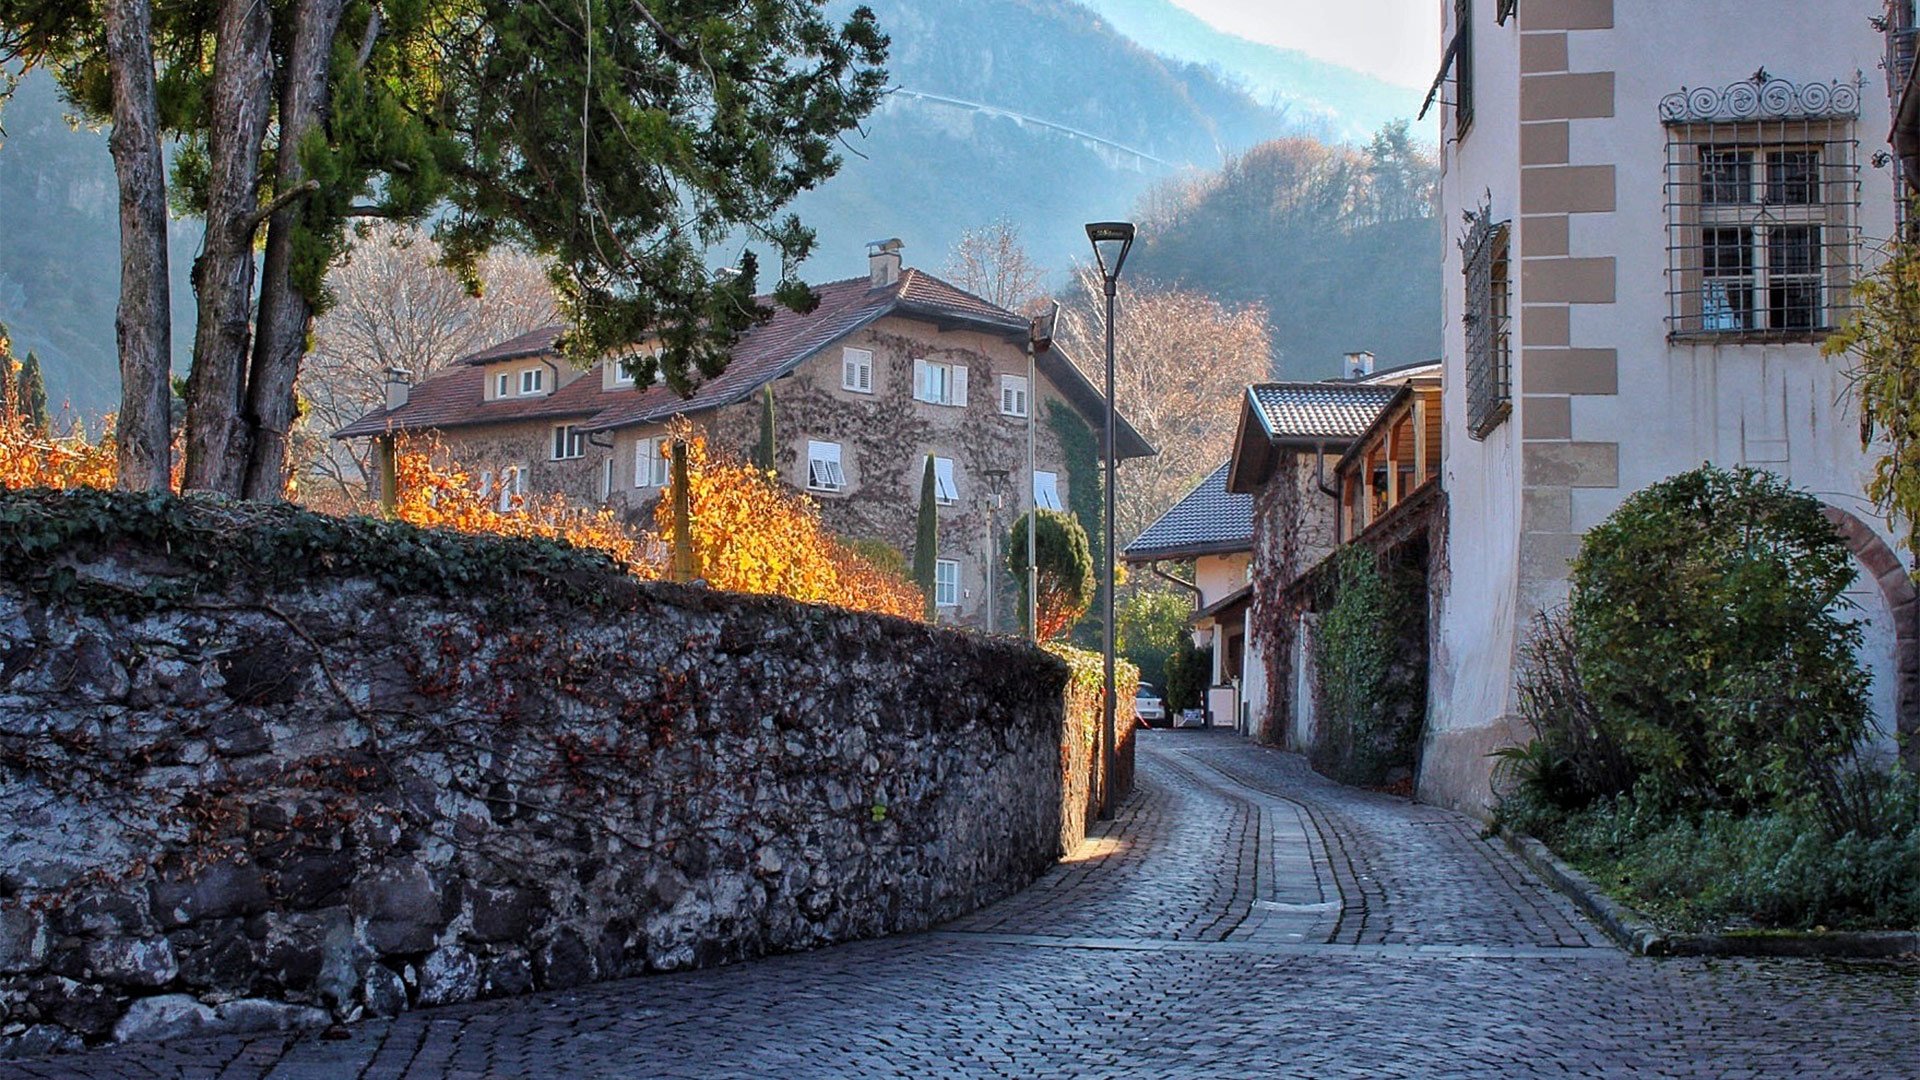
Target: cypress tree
point(926, 540)
point(763, 455)
point(33, 395)
point(7, 379)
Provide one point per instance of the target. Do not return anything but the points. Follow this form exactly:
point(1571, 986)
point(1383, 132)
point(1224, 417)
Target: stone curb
point(1623, 924)
point(1640, 936)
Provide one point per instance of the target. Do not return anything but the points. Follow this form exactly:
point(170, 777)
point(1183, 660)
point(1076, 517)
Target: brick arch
point(1896, 585)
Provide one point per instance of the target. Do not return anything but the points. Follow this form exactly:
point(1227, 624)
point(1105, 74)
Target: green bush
point(1372, 687)
point(1151, 622)
point(1188, 672)
point(1706, 625)
point(1773, 869)
point(1066, 581)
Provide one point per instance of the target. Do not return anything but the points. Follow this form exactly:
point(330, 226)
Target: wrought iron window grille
point(1762, 202)
point(1488, 320)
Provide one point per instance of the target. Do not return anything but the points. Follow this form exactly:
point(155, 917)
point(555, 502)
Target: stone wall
point(242, 808)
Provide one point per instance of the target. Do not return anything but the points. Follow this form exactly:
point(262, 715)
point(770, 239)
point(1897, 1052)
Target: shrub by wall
point(1369, 659)
point(260, 767)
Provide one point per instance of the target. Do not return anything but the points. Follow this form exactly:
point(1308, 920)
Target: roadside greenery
point(1187, 674)
point(1699, 714)
point(1152, 622)
point(1371, 698)
point(1065, 580)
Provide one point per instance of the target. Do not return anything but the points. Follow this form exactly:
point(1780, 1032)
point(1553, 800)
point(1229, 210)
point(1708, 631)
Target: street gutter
point(1641, 936)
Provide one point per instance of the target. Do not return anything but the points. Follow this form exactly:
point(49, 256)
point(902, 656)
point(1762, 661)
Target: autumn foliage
point(435, 492)
point(30, 459)
point(750, 534)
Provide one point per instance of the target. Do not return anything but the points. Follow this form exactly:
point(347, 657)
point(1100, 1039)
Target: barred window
point(1763, 193)
point(1488, 321)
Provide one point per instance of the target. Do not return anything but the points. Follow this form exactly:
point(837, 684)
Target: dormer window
point(533, 380)
point(502, 383)
point(622, 373)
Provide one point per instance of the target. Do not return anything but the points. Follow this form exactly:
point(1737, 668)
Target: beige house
point(1664, 207)
point(1212, 528)
point(888, 370)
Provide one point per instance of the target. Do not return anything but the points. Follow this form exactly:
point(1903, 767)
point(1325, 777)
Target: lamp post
point(1111, 242)
point(1039, 340)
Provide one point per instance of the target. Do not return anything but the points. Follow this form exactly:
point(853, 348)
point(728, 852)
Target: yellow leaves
point(752, 535)
point(29, 459)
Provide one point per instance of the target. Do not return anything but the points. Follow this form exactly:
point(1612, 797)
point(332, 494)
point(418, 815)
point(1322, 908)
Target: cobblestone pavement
point(1241, 917)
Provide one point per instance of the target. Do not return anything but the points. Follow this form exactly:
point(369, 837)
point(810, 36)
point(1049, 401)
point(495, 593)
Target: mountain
point(1036, 111)
point(1041, 112)
point(60, 255)
point(1328, 100)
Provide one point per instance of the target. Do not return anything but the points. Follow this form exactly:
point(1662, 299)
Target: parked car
point(1148, 706)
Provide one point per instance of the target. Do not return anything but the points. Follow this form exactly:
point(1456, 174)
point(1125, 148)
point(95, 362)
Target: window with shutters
point(945, 491)
point(513, 488)
point(1013, 395)
point(940, 384)
point(823, 467)
point(653, 462)
point(1762, 192)
point(946, 583)
point(1046, 490)
point(856, 370)
point(568, 442)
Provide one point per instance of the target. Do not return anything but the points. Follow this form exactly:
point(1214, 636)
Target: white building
point(1662, 205)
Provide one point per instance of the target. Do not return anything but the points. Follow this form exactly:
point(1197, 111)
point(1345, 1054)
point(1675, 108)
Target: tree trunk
point(142, 323)
point(223, 275)
point(286, 311)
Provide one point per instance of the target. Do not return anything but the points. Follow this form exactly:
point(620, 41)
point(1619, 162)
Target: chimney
point(398, 380)
point(883, 262)
point(1359, 365)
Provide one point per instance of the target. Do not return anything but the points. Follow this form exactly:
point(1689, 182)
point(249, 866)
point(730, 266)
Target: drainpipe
point(1320, 481)
point(1176, 579)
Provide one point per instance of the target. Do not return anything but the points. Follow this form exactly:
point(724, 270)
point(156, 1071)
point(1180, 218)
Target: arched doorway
point(1887, 600)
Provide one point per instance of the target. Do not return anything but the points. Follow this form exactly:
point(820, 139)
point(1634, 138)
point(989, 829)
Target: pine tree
point(763, 455)
point(926, 539)
point(33, 395)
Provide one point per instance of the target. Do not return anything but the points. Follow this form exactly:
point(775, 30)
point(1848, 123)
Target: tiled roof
point(532, 343)
point(1329, 411)
point(453, 398)
point(1209, 520)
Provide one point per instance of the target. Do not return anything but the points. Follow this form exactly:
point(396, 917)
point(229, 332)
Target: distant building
point(1212, 528)
point(1662, 209)
point(887, 370)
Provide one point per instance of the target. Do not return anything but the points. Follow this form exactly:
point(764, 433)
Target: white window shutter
point(921, 377)
point(486, 482)
point(849, 370)
point(1046, 490)
point(959, 386)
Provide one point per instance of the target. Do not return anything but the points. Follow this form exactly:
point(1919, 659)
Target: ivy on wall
point(1081, 452)
point(1367, 658)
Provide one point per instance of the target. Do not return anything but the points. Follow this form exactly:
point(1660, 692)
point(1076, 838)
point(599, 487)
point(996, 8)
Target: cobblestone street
point(1242, 917)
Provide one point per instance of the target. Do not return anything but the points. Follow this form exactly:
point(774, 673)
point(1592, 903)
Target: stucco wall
point(246, 809)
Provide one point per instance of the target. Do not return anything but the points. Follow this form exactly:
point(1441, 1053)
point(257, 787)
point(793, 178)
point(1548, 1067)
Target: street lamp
point(1039, 340)
point(1111, 242)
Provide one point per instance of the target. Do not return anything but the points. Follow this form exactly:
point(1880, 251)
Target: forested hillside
point(1341, 246)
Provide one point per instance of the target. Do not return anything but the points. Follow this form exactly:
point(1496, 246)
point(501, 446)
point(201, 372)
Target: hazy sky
point(1397, 40)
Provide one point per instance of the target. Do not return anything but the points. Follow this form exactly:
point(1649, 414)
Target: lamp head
point(1111, 241)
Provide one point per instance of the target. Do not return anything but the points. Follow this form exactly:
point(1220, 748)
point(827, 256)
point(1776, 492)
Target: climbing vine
point(1081, 452)
point(1372, 694)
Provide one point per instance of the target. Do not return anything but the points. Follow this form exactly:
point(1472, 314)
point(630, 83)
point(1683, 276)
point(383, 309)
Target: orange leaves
point(29, 459)
point(752, 535)
point(433, 495)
